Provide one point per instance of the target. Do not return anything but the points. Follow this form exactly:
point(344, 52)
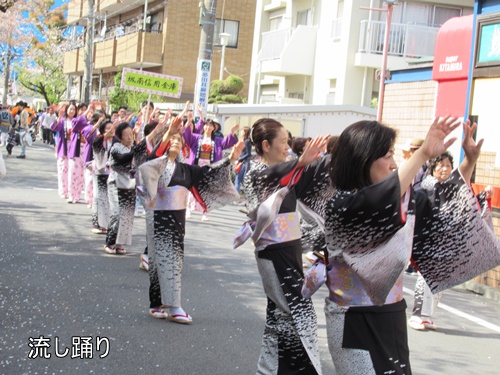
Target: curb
point(481, 289)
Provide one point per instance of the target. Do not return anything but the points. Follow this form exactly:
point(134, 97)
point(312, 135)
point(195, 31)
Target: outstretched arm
point(174, 128)
point(434, 145)
point(313, 151)
point(236, 151)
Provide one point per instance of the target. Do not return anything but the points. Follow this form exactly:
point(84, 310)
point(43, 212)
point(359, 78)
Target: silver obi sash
point(167, 199)
point(285, 227)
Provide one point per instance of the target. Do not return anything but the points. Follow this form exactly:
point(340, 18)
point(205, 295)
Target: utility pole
point(88, 56)
point(208, 11)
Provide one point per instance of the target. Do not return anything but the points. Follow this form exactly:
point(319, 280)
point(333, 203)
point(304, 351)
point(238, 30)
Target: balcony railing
point(288, 51)
point(273, 43)
point(404, 40)
point(130, 49)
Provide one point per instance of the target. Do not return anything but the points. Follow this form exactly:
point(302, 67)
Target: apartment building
point(328, 51)
point(160, 36)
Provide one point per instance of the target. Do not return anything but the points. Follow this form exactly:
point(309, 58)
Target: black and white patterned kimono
point(290, 344)
point(100, 204)
point(371, 234)
point(142, 152)
point(121, 194)
point(165, 190)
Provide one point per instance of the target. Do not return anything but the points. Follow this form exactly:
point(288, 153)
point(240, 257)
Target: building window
point(337, 29)
point(423, 14)
point(275, 23)
point(227, 26)
point(443, 14)
point(304, 17)
point(153, 24)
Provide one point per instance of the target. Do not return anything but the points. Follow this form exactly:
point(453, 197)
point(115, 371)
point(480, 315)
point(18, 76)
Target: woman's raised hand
point(434, 143)
point(174, 128)
point(200, 111)
point(472, 149)
point(236, 151)
point(313, 151)
point(235, 128)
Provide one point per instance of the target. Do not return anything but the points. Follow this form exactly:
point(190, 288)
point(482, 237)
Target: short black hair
point(120, 128)
point(434, 162)
point(359, 145)
point(95, 117)
point(150, 127)
point(102, 126)
point(298, 145)
point(122, 107)
point(264, 129)
point(144, 103)
point(81, 105)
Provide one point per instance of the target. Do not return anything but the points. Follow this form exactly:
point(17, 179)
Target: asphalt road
point(59, 289)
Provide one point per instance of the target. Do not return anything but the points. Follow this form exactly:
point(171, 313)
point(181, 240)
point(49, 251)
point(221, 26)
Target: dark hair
point(72, 102)
point(122, 107)
point(298, 145)
point(210, 121)
point(112, 113)
point(81, 105)
point(150, 127)
point(246, 132)
point(264, 129)
point(95, 117)
point(102, 126)
point(120, 128)
point(359, 145)
point(330, 144)
point(185, 120)
point(145, 103)
point(290, 139)
point(434, 162)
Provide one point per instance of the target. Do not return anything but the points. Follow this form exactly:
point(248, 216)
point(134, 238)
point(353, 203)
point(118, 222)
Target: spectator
point(23, 129)
point(6, 121)
point(49, 118)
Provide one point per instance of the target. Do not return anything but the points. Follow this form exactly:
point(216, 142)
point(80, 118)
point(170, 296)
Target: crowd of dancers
point(365, 221)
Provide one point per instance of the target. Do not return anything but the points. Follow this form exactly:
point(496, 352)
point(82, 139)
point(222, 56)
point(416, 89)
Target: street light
point(224, 40)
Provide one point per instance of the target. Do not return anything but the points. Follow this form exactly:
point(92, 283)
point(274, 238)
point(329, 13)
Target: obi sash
point(346, 289)
point(285, 227)
point(167, 199)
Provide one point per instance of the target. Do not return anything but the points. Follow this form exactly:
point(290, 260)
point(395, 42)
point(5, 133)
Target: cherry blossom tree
point(6, 4)
point(41, 70)
point(14, 39)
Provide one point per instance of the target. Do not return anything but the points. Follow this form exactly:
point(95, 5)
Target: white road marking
point(462, 314)
point(47, 189)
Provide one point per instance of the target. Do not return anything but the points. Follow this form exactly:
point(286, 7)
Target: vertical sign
point(203, 84)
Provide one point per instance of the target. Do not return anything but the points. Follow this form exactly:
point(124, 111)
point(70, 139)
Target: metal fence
point(404, 40)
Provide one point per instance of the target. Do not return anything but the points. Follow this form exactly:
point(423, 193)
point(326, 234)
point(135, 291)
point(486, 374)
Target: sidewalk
point(481, 289)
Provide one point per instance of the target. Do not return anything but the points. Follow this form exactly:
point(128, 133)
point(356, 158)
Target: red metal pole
point(384, 62)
